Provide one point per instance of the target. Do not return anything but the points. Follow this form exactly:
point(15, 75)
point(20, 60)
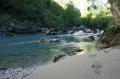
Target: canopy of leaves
point(38, 14)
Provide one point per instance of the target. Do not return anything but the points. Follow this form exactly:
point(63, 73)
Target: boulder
point(2, 68)
point(111, 37)
point(78, 50)
point(74, 51)
point(43, 40)
point(58, 57)
point(79, 33)
point(52, 32)
point(89, 38)
point(54, 40)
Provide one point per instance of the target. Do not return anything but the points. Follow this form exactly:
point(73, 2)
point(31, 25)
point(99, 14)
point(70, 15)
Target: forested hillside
point(33, 16)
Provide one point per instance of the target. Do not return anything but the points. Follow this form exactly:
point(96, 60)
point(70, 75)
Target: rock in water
point(79, 33)
point(54, 41)
point(2, 68)
point(78, 50)
point(74, 51)
point(52, 32)
point(43, 40)
point(91, 38)
point(58, 57)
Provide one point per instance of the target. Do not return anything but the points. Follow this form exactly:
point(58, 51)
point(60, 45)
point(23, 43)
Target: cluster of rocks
point(46, 40)
point(88, 36)
point(18, 73)
point(58, 57)
point(70, 53)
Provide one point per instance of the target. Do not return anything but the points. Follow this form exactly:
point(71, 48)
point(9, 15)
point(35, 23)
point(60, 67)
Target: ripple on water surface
point(20, 53)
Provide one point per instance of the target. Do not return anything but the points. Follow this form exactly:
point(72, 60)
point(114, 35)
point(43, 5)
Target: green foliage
point(4, 19)
point(34, 14)
point(98, 18)
point(71, 16)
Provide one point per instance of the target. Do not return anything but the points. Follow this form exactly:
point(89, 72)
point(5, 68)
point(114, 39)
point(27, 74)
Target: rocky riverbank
point(18, 73)
point(104, 64)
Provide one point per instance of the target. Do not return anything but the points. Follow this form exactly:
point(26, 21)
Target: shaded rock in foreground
point(43, 40)
point(3, 68)
point(58, 57)
point(110, 37)
point(78, 50)
point(74, 51)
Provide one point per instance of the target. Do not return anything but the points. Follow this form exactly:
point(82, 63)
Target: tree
point(71, 16)
point(111, 35)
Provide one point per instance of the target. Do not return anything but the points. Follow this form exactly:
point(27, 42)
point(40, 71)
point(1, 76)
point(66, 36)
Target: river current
point(23, 53)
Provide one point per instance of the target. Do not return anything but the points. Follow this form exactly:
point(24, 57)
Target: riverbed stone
point(54, 41)
point(43, 40)
point(58, 57)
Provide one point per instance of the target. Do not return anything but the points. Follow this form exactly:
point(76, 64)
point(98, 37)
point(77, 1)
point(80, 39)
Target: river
point(22, 52)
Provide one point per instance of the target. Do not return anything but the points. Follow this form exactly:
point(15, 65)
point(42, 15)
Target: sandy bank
point(105, 64)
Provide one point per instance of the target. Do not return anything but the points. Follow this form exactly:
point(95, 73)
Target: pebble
point(18, 73)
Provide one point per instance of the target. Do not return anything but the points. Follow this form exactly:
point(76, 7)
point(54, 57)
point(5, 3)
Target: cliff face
point(111, 36)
